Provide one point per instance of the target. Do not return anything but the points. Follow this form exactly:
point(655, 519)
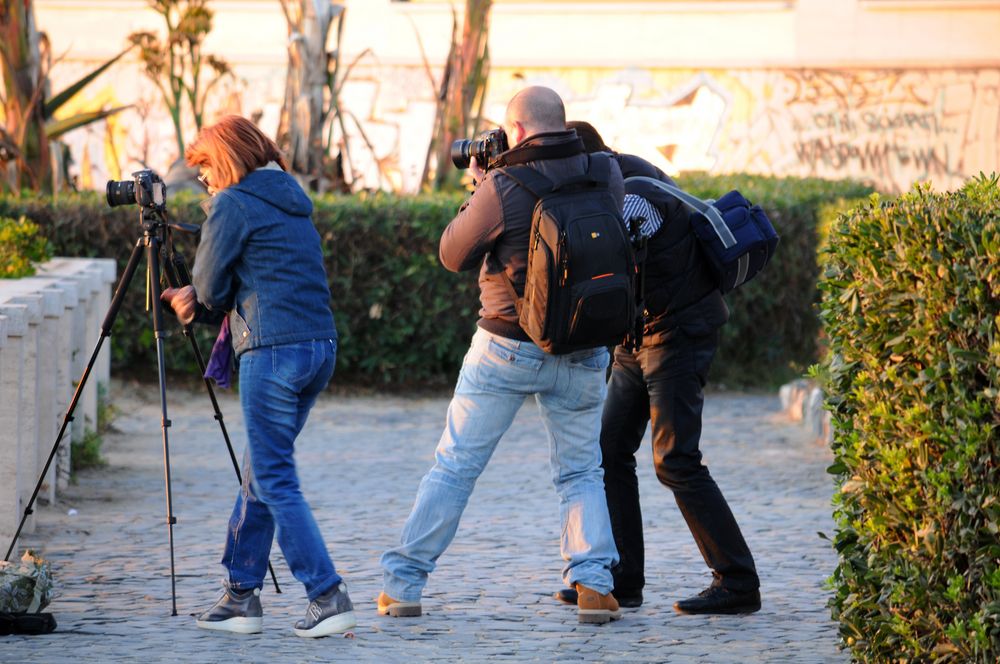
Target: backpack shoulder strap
point(538, 186)
point(530, 179)
point(704, 207)
point(599, 168)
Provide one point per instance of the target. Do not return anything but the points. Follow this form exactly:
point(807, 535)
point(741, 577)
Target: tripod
point(156, 237)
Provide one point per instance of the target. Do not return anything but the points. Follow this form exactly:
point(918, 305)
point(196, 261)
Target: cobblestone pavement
point(361, 459)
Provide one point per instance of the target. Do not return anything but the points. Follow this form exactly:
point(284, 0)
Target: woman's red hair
point(231, 148)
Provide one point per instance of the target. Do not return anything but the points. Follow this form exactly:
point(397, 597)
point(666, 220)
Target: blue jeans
point(496, 377)
point(278, 386)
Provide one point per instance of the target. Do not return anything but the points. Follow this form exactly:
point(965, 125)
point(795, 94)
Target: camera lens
point(120, 192)
point(460, 154)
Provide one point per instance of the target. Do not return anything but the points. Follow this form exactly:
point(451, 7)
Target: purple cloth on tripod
point(220, 364)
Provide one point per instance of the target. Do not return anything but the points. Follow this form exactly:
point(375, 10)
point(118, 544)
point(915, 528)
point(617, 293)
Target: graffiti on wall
point(887, 127)
point(890, 127)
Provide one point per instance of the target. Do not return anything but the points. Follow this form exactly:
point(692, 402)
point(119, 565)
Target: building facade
point(887, 91)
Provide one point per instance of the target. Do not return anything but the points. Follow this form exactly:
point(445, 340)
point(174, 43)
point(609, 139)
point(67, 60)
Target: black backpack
point(579, 289)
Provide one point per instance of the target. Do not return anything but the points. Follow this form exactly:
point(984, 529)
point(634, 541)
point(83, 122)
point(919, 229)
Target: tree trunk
point(300, 130)
point(468, 70)
point(23, 80)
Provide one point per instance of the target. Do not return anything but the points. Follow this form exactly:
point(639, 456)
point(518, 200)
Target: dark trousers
point(663, 384)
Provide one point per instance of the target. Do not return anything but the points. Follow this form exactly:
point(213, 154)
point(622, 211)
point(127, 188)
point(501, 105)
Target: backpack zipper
point(563, 258)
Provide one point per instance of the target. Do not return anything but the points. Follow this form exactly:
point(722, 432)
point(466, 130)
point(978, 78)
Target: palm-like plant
point(24, 148)
point(176, 65)
point(29, 121)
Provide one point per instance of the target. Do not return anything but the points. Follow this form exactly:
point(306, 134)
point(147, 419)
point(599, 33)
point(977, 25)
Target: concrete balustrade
point(11, 374)
point(49, 326)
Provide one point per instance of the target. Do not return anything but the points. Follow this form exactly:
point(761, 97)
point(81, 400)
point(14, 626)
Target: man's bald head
point(537, 109)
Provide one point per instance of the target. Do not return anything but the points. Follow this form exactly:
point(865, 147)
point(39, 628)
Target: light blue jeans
point(496, 377)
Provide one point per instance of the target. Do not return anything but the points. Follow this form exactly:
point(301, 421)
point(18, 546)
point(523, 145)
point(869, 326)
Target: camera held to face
point(146, 189)
point(486, 148)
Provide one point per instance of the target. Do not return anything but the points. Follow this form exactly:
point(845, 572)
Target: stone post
point(11, 370)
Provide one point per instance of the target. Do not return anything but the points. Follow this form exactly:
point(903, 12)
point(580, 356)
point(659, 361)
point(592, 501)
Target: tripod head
point(147, 190)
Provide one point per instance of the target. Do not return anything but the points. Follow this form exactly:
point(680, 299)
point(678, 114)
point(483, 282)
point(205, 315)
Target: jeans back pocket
point(294, 363)
point(503, 365)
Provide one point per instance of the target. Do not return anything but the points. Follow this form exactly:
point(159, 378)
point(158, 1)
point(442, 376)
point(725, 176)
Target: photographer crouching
point(660, 385)
point(259, 267)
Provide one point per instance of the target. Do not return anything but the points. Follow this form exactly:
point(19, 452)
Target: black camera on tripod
point(146, 189)
point(486, 148)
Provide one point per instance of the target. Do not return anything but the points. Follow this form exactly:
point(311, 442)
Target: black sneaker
point(332, 613)
point(715, 599)
point(236, 611)
point(629, 601)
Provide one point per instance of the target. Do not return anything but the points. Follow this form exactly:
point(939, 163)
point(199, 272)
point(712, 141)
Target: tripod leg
point(116, 303)
point(188, 332)
point(153, 268)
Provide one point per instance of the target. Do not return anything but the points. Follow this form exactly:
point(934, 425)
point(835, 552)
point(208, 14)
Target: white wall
point(701, 78)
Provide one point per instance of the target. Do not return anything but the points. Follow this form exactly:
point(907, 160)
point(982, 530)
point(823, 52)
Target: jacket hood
point(277, 188)
point(546, 145)
point(545, 139)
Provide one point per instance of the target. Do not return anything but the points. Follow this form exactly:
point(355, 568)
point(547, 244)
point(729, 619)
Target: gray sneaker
point(236, 611)
point(332, 613)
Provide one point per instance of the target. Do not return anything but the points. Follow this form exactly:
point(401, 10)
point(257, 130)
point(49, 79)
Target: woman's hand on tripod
point(183, 301)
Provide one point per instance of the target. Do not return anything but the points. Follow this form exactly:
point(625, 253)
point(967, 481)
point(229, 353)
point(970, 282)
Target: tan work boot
point(388, 606)
point(593, 607)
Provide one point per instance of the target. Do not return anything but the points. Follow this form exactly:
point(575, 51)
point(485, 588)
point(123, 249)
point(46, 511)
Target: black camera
point(490, 145)
point(146, 189)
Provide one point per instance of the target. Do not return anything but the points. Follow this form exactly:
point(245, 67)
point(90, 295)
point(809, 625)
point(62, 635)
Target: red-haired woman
point(259, 259)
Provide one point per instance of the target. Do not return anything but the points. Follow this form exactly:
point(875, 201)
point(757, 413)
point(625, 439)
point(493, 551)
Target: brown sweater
point(494, 223)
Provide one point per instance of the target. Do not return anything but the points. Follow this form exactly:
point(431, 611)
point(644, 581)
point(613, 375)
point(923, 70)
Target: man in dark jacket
point(503, 367)
point(662, 383)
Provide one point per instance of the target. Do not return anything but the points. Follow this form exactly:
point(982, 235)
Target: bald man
point(503, 367)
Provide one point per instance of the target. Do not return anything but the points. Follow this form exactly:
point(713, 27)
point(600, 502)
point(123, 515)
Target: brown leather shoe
point(632, 601)
point(388, 606)
point(593, 607)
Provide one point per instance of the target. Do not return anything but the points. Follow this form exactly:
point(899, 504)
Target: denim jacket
point(259, 258)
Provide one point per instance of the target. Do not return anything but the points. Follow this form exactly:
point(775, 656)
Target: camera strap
point(524, 154)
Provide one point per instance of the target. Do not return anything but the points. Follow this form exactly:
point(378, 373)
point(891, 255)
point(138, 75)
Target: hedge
point(405, 321)
point(911, 304)
point(402, 319)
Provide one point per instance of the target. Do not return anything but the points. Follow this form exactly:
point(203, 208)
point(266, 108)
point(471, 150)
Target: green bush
point(773, 327)
point(911, 305)
point(21, 246)
point(404, 320)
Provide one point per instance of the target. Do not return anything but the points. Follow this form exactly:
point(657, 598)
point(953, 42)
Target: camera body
point(146, 189)
point(486, 148)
